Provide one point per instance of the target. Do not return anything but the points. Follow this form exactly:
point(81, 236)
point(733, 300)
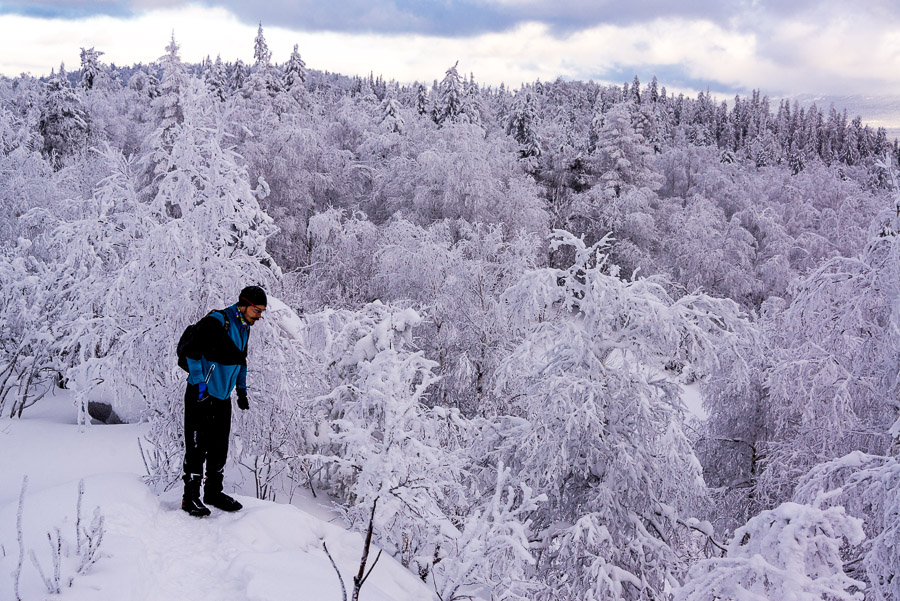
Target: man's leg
point(195, 427)
point(217, 454)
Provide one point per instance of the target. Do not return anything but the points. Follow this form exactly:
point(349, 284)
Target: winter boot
point(221, 501)
point(213, 495)
point(190, 502)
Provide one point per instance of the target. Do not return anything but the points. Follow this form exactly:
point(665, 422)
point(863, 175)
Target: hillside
point(150, 550)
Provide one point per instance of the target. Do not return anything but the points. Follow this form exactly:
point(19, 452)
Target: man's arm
point(242, 378)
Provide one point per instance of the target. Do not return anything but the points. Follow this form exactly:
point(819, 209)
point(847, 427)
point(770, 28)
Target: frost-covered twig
point(17, 574)
point(334, 565)
point(93, 538)
point(360, 579)
point(87, 548)
point(51, 582)
point(78, 517)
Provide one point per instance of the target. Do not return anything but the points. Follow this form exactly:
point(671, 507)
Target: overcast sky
point(782, 47)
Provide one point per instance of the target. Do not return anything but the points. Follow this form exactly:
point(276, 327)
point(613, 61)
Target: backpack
point(186, 342)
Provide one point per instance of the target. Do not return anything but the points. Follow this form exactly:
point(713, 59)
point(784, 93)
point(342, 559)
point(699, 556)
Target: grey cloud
point(471, 17)
point(455, 18)
point(431, 17)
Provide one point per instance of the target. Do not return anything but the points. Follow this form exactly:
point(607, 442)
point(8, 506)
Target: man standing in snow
point(217, 363)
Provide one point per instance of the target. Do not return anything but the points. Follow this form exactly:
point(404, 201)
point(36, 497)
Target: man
point(217, 363)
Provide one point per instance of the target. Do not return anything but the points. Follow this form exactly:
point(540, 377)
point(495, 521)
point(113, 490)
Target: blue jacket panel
point(222, 355)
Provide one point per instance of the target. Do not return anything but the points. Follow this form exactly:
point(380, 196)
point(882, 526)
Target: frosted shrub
point(66, 561)
point(492, 547)
point(790, 552)
point(400, 464)
point(869, 487)
point(598, 430)
point(384, 443)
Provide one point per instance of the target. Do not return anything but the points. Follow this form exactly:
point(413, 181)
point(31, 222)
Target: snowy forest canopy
point(501, 291)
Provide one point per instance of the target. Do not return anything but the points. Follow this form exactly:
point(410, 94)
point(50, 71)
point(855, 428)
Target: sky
point(781, 47)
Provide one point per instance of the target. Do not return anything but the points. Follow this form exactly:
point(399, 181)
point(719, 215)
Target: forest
point(502, 294)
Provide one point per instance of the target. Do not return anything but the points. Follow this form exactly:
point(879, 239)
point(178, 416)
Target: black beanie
point(252, 295)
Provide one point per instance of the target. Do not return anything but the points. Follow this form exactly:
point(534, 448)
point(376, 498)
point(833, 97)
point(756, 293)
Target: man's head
point(252, 303)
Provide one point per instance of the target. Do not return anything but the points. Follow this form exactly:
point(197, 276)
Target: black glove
point(243, 404)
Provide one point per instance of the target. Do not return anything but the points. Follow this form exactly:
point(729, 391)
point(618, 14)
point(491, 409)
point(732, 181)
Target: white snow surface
point(151, 550)
point(287, 319)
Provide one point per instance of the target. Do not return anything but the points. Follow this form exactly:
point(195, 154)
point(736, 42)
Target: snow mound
point(151, 550)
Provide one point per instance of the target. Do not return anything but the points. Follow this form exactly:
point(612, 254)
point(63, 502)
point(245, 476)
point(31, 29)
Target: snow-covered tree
point(217, 79)
point(263, 81)
point(391, 119)
point(598, 430)
point(492, 548)
point(388, 451)
point(31, 316)
point(262, 56)
point(521, 125)
point(341, 250)
point(168, 106)
point(294, 71)
point(623, 155)
point(421, 99)
point(141, 275)
point(458, 274)
point(64, 122)
point(453, 103)
point(92, 69)
point(238, 76)
point(836, 362)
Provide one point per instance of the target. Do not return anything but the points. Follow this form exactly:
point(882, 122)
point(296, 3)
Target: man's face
point(252, 313)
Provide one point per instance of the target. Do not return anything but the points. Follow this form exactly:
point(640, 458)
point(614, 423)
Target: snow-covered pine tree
point(238, 76)
point(622, 202)
point(450, 98)
point(264, 81)
point(168, 108)
point(294, 71)
point(92, 69)
point(522, 125)
point(391, 119)
point(217, 79)
point(64, 124)
point(262, 56)
point(421, 99)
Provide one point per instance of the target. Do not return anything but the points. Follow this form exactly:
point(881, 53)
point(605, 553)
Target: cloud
point(849, 51)
point(67, 9)
point(448, 18)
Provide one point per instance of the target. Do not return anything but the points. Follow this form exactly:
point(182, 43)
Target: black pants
point(207, 428)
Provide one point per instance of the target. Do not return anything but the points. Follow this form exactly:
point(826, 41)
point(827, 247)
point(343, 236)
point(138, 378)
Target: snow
point(286, 318)
point(693, 400)
point(151, 550)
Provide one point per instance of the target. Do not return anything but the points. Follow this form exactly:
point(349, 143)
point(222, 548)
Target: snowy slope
point(151, 550)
